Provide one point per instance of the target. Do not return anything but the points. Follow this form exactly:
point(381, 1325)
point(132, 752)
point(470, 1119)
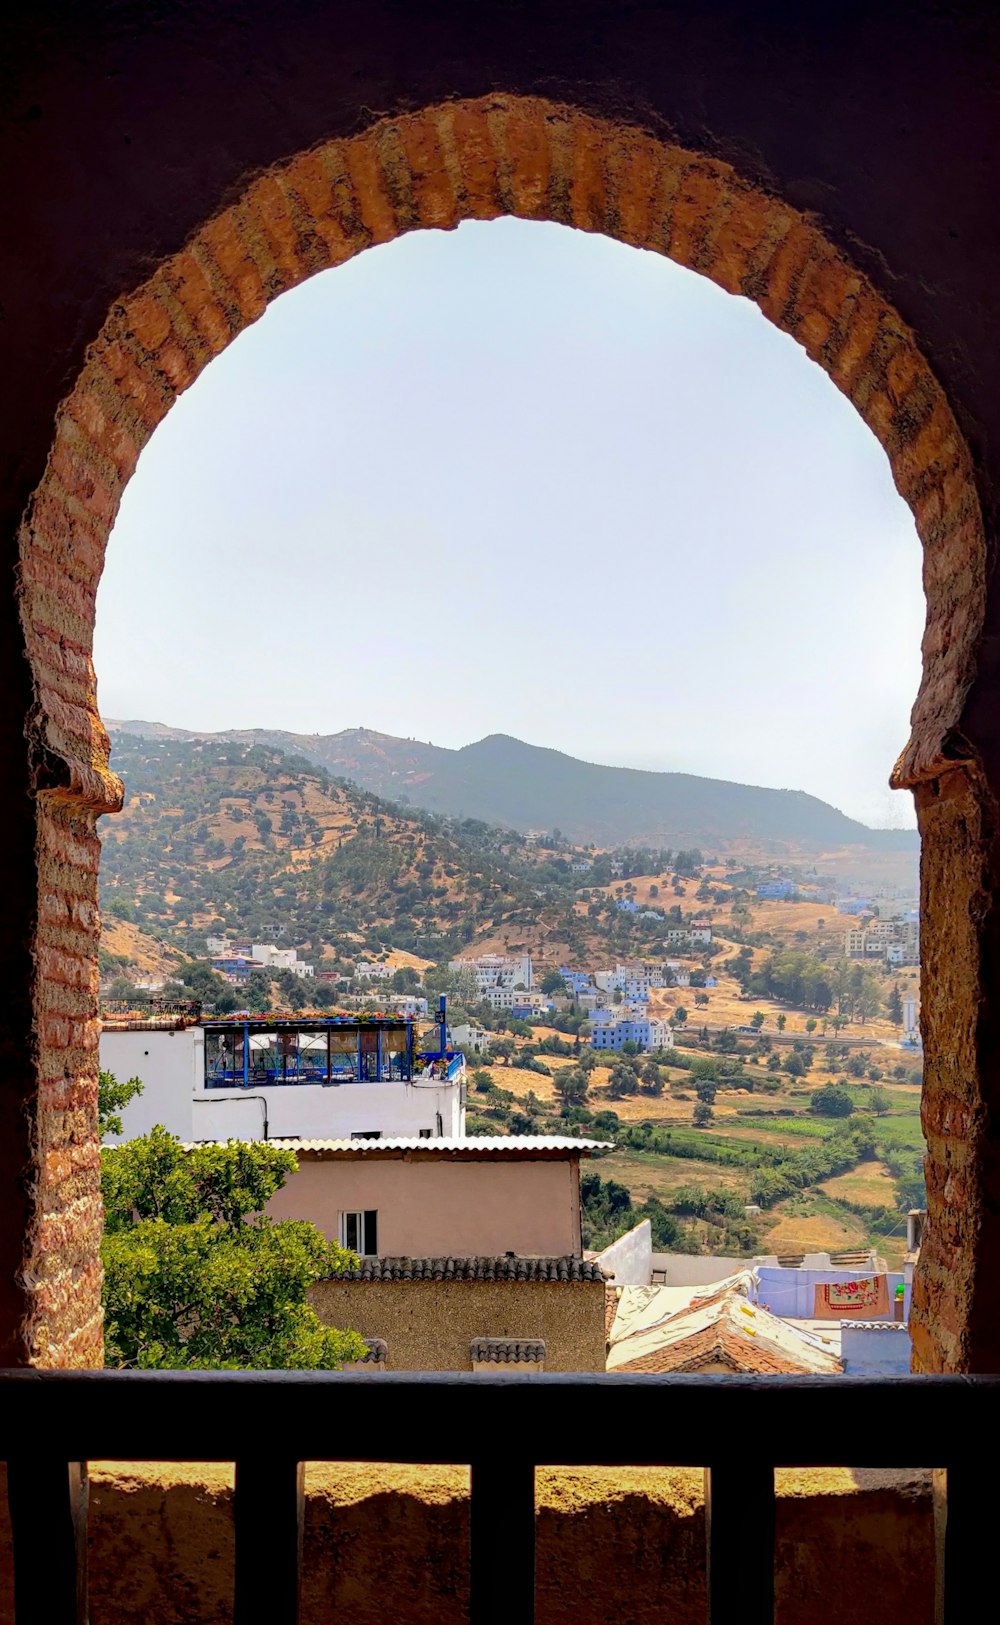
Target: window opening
point(359, 1232)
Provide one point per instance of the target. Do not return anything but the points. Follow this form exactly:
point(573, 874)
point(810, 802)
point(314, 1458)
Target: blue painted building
point(777, 888)
point(874, 1348)
point(577, 981)
point(646, 1034)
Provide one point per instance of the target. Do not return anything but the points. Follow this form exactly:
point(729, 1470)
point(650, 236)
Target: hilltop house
point(272, 958)
point(516, 1001)
point(236, 968)
point(696, 934)
point(497, 970)
point(369, 970)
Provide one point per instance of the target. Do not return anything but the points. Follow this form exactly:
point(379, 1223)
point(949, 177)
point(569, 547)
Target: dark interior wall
point(125, 125)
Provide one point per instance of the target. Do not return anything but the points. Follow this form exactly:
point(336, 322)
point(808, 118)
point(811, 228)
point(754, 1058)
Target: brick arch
point(500, 155)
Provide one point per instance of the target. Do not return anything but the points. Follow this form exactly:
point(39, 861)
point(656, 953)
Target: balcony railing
point(737, 1428)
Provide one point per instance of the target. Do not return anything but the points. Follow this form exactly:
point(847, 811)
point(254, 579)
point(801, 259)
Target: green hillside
point(241, 838)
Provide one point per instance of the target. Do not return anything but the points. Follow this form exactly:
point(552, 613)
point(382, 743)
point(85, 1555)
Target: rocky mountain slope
point(524, 787)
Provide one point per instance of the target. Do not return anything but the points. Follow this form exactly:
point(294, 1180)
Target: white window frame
point(359, 1225)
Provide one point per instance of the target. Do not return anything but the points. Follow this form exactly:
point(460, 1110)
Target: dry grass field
point(143, 952)
point(869, 1184)
point(798, 1232)
point(727, 1006)
point(663, 1176)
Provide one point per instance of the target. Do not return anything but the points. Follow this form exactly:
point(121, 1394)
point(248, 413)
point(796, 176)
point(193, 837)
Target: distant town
point(651, 1074)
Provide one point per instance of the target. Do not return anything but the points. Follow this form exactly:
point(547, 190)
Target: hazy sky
point(516, 479)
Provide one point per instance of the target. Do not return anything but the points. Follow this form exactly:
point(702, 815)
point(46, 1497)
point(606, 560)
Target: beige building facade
point(441, 1198)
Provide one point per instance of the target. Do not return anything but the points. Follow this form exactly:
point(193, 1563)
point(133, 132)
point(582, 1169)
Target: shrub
point(831, 1102)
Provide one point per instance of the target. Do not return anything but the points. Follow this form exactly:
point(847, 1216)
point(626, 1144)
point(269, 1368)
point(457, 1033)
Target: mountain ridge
point(505, 781)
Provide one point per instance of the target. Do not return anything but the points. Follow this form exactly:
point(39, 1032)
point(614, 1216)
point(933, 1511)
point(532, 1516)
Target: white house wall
point(171, 1067)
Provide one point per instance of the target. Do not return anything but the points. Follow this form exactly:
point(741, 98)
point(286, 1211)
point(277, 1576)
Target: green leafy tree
point(112, 1098)
point(880, 1101)
point(702, 1114)
point(196, 1276)
point(681, 1015)
point(571, 1086)
point(781, 1023)
point(122, 991)
point(831, 1101)
point(552, 982)
point(622, 1082)
point(894, 1006)
point(757, 1020)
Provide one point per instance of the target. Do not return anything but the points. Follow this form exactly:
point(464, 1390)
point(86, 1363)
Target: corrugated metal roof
point(718, 1323)
point(478, 1145)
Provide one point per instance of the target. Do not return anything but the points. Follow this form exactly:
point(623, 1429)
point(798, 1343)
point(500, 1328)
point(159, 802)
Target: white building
point(369, 970)
point(272, 958)
point(469, 1038)
point(187, 1073)
point(405, 1004)
point(632, 982)
point(696, 935)
point(855, 943)
point(509, 998)
point(497, 970)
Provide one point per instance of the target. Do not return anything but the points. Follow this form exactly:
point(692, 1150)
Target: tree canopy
point(831, 1101)
point(196, 1276)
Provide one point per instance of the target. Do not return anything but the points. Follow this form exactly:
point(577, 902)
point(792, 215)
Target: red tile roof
point(717, 1344)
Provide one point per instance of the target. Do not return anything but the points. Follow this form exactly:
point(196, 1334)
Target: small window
point(359, 1232)
point(368, 1134)
point(426, 1134)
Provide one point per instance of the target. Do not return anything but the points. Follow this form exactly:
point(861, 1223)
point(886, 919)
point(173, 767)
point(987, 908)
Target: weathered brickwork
point(458, 161)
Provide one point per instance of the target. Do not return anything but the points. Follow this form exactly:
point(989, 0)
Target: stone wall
point(428, 1325)
point(391, 1543)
